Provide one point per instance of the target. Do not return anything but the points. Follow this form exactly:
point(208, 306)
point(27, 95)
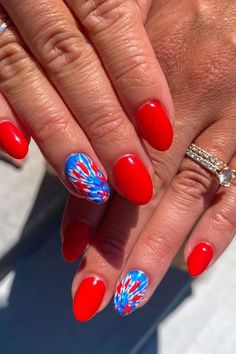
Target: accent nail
point(130, 292)
point(12, 140)
point(133, 180)
point(75, 240)
point(154, 125)
point(199, 259)
point(87, 178)
point(88, 298)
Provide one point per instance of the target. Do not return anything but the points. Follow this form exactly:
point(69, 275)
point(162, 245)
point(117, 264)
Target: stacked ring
point(224, 173)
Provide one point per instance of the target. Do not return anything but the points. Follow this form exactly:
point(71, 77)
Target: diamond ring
point(224, 174)
point(3, 27)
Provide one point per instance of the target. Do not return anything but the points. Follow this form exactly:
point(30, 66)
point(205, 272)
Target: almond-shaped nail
point(76, 237)
point(87, 178)
point(130, 292)
point(133, 180)
point(199, 259)
point(88, 298)
point(154, 125)
point(12, 140)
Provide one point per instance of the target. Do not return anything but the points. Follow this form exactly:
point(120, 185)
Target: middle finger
point(73, 66)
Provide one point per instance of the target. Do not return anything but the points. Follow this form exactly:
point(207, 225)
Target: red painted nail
point(155, 125)
point(199, 259)
point(13, 141)
point(76, 237)
point(133, 180)
point(88, 298)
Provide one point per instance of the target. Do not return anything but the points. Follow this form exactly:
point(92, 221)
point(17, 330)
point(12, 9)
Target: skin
point(85, 84)
point(195, 45)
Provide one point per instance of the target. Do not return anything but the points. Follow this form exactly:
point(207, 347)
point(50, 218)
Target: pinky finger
point(214, 231)
point(14, 140)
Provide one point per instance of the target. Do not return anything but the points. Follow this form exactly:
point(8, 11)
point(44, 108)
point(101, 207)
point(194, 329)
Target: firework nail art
point(130, 292)
point(87, 178)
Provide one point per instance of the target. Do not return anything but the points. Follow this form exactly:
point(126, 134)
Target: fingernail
point(199, 259)
point(88, 298)
point(75, 240)
point(12, 141)
point(130, 292)
point(154, 125)
point(87, 178)
point(133, 180)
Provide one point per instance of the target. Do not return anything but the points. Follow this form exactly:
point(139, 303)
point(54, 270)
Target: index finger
point(117, 31)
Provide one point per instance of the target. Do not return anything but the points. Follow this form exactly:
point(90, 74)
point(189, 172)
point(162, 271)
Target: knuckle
point(135, 71)
point(192, 183)
point(213, 70)
point(221, 220)
point(101, 128)
point(160, 184)
point(13, 60)
point(50, 131)
point(204, 9)
point(156, 247)
point(60, 47)
point(99, 15)
point(213, 65)
point(163, 169)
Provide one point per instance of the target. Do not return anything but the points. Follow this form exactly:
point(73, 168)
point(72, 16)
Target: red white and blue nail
point(87, 178)
point(130, 292)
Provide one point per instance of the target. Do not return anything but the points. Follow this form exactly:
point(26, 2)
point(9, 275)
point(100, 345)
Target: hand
point(73, 65)
point(134, 246)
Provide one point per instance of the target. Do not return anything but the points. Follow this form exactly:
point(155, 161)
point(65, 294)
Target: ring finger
point(188, 196)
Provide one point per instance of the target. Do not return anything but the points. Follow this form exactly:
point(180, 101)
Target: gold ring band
point(224, 174)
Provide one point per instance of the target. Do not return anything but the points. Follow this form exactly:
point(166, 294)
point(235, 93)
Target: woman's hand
point(73, 65)
point(134, 246)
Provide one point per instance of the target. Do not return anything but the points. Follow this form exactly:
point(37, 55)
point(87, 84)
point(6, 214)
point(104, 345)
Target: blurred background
point(183, 316)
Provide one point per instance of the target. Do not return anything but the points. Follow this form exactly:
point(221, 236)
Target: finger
point(49, 121)
point(79, 224)
point(94, 283)
point(188, 195)
point(74, 67)
point(99, 281)
point(214, 231)
point(117, 31)
point(144, 8)
point(13, 138)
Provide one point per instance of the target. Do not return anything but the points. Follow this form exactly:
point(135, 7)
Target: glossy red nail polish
point(155, 125)
point(12, 140)
point(133, 180)
point(199, 259)
point(88, 298)
point(76, 238)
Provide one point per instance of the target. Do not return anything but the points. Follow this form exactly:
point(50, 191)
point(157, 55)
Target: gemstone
point(225, 176)
point(3, 26)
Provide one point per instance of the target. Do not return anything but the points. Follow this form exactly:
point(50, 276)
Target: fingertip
point(155, 125)
point(13, 141)
point(88, 298)
point(75, 239)
point(199, 258)
point(133, 180)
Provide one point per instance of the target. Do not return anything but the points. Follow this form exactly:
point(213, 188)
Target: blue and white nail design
point(130, 292)
point(87, 178)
